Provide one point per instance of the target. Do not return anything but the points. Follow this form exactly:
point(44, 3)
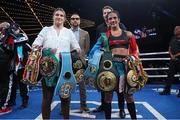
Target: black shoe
point(165, 92)
point(61, 113)
point(11, 104)
point(84, 110)
point(99, 109)
point(122, 114)
point(24, 104)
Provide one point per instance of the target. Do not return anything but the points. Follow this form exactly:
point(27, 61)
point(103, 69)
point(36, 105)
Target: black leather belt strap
point(118, 58)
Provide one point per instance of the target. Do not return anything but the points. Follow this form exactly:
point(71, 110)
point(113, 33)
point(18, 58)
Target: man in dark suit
point(83, 38)
point(174, 51)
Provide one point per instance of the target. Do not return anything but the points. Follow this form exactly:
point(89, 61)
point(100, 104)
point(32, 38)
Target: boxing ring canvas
point(149, 105)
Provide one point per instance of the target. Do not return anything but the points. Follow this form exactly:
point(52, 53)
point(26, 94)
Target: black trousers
point(4, 78)
point(173, 69)
point(22, 87)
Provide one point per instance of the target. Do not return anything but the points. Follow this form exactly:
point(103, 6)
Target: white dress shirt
point(48, 38)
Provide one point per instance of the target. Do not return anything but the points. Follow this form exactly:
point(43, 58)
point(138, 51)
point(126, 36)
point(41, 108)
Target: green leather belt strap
point(107, 74)
point(104, 41)
point(50, 77)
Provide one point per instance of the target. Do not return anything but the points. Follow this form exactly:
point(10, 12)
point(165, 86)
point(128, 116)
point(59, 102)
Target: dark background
point(161, 14)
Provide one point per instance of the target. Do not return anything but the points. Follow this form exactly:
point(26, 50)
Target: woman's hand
point(78, 50)
point(54, 50)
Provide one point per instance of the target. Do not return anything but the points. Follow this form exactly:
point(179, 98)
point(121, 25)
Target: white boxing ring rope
point(155, 59)
point(146, 59)
point(153, 53)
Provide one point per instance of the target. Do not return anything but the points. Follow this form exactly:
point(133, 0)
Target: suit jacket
point(84, 42)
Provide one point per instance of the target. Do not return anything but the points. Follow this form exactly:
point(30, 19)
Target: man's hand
point(78, 50)
point(173, 57)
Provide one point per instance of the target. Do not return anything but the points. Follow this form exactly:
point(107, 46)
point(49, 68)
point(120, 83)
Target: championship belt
point(49, 67)
point(66, 81)
point(92, 69)
point(78, 66)
point(136, 76)
point(32, 66)
point(107, 75)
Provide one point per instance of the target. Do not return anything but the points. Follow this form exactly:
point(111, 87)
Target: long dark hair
point(114, 11)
